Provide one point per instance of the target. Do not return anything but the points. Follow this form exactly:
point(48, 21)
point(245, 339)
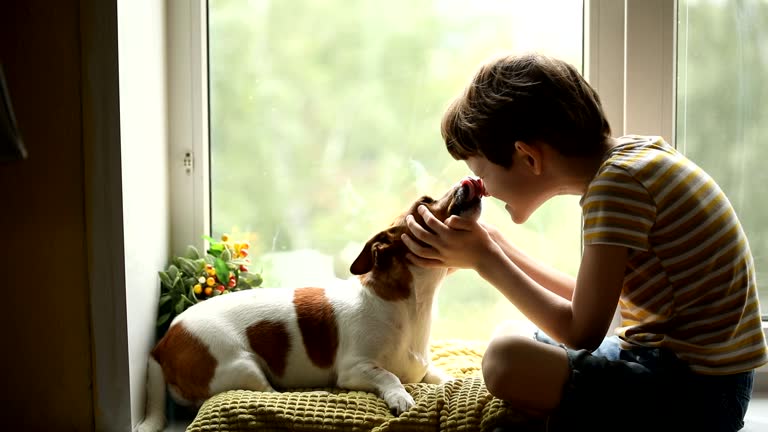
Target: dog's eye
point(392, 235)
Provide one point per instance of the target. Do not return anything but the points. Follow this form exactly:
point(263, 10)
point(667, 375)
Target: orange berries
point(198, 289)
point(243, 268)
point(208, 291)
point(210, 281)
point(225, 238)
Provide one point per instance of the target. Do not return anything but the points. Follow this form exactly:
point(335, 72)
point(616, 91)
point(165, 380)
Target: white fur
point(382, 344)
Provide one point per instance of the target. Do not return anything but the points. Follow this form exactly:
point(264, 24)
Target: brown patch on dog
point(187, 363)
point(270, 341)
point(392, 285)
point(382, 266)
point(317, 323)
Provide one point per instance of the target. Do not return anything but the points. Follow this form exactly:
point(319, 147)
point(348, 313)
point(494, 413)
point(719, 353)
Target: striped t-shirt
point(689, 285)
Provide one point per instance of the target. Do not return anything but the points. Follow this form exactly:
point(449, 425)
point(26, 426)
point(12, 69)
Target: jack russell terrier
point(368, 333)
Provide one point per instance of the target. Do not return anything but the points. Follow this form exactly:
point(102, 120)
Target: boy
point(661, 241)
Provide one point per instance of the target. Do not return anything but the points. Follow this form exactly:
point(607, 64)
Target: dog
point(367, 333)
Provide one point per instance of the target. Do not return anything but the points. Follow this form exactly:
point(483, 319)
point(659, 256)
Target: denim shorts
point(645, 389)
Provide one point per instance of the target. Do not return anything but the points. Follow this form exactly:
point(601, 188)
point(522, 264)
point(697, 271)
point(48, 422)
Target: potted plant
point(193, 277)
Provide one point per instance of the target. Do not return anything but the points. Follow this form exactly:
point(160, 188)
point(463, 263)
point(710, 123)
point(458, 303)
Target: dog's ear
point(367, 258)
point(364, 262)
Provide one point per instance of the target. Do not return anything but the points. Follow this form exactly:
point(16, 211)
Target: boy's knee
point(499, 361)
point(530, 373)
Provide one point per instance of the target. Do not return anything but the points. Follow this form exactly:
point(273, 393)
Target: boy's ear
point(530, 155)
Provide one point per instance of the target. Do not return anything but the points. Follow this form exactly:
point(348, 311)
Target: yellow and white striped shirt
point(690, 282)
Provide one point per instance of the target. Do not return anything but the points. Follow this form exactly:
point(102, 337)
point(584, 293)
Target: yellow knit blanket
point(460, 405)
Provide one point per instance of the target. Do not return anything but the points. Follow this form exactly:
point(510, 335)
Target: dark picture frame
point(11, 144)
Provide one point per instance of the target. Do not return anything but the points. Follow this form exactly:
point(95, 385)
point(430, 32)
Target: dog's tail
point(154, 418)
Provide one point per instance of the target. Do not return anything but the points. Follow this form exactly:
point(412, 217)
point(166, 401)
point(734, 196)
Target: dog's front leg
point(367, 376)
point(435, 375)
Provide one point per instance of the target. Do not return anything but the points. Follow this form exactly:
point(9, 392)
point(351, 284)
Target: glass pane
point(325, 125)
point(722, 116)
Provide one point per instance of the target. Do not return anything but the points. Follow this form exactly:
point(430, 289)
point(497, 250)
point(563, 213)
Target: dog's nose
point(475, 185)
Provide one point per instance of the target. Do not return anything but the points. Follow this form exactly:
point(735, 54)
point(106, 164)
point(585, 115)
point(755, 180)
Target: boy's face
point(519, 187)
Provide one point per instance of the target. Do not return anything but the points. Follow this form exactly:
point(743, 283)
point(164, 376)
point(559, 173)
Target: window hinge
point(188, 165)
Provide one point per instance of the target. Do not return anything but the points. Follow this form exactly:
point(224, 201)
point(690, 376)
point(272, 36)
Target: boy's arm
point(548, 277)
point(580, 323)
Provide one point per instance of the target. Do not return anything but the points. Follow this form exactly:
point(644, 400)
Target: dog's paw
point(447, 379)
point(436, 376)
point(399, 401)
point(319, 392)
point(149, 426)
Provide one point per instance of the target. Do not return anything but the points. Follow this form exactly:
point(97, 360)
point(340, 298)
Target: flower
point(193, 278)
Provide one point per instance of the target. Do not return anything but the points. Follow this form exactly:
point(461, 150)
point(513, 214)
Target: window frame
point(188, 137)
point(629, 51)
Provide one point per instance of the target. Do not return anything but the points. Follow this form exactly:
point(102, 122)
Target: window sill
point(757, 413)
point(761, 374)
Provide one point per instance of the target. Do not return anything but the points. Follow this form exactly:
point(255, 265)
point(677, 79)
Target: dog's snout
point(466, 197)
point(475, 186)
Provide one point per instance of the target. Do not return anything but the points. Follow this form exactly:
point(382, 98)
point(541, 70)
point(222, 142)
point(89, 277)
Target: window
point(324, 121)
point(721, 110)
point(324, 125)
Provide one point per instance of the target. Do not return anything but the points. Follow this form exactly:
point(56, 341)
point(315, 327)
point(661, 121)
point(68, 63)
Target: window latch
point(188, 165)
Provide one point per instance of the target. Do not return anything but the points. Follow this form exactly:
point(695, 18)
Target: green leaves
point(192, 253)
point(216, 248)
point(251, 279)
point(189, 266)
point(163, 318)
point(165, 279)
point(164, 299)
point(221, 269)
point(179, 308)
point(179, 281)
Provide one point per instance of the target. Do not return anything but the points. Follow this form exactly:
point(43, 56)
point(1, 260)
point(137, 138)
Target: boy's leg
point(720, 401)
point(609, 348)
point(525, 372)
point(609, 389)
point(577, 390)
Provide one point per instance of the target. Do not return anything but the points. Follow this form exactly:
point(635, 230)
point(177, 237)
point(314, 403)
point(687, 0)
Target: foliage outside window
point(722, 117)
point(324, 117)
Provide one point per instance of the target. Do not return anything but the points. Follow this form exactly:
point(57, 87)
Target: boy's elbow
point(585, 341)
point(590, 345)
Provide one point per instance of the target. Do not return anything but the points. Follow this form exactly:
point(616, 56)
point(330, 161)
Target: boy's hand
point(457, 243)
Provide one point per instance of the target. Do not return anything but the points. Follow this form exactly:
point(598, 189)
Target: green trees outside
point(722, 115)
point(325, 125)
point(325, 122)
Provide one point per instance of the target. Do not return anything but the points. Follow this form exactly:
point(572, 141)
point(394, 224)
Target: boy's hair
point(530, 98)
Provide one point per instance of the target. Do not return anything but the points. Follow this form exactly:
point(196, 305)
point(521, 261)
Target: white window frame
point(629, 57)
point(188, 123)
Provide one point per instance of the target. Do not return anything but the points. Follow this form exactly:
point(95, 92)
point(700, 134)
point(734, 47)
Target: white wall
point(144, 144)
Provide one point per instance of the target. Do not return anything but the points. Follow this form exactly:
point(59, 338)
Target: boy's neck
point(578, 172)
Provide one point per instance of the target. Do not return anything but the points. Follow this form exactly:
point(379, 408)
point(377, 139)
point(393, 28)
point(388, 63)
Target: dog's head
point(383, 260)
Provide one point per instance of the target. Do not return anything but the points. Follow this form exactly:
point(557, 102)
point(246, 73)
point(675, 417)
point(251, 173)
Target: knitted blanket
point(460, 405)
